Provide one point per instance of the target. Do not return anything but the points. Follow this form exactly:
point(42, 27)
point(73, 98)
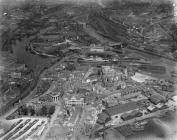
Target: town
point(80, 77)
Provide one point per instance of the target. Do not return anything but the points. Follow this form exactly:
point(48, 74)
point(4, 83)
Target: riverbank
point(36, 63)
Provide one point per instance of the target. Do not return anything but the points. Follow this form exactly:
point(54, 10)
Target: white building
point(74, 101)
point(15, 74)
point(96, 48)
point(151, 108)
point(55, 98)
point(159, 105)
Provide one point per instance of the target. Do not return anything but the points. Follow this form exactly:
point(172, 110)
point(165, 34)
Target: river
point(35, 62)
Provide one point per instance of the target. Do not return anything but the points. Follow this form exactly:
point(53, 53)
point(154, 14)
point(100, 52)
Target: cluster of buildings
point(101, 92)
point(132, 109)
point(95, 88)
point(59, 38)
point(104, 94)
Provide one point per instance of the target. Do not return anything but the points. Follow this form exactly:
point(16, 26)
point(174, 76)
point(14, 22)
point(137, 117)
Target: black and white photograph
point(88, 69)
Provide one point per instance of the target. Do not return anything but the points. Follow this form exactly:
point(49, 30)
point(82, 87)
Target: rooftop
point(117, 109)
point(54, 94)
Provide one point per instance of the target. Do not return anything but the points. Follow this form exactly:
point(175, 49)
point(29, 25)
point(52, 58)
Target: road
point(150, 53)
point(103, 40)
point(27, 94)
point(32, 94)
point(78, 125)
point(49, 125)
point(148, 116)
point(4, 109)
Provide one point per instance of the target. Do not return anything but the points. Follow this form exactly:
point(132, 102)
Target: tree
point(32, 111)
point(51, 110)
point(43, 111)
point(70, 67)
point(23, 111)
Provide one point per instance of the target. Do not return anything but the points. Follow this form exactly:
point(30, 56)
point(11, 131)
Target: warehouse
point(118, 109)
point(131, 115)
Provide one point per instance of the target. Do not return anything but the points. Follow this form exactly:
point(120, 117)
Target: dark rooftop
point(103, 118)
point(122, 108)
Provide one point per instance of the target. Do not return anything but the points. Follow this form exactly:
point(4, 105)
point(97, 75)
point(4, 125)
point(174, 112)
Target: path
point(49, 125)
point(148, 116)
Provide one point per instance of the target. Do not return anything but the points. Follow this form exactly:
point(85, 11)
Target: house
point(152, 108)
point(159, 105)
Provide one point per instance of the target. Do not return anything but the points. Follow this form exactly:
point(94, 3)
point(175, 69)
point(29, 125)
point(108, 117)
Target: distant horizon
point(97, 1)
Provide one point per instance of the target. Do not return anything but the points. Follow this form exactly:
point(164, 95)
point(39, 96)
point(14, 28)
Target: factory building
point(131, 115)
point(157, 98)
point(114, 111)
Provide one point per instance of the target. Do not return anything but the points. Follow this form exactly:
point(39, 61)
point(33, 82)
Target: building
point(131, 95)
point(157, 98)
point(131, 115)
point(152, 108)
point(55, 96)
point(131, 91)
point(51, 97)
point(108, 70)
point(74, 101)
point(15, 74)
point(169, 88)
point(95, 59)
point(114, 111)
point(139, 77)
point(161, 106)
point(97, 48)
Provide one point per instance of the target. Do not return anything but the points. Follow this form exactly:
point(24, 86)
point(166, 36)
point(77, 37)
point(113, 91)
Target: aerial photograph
point(88, 69)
